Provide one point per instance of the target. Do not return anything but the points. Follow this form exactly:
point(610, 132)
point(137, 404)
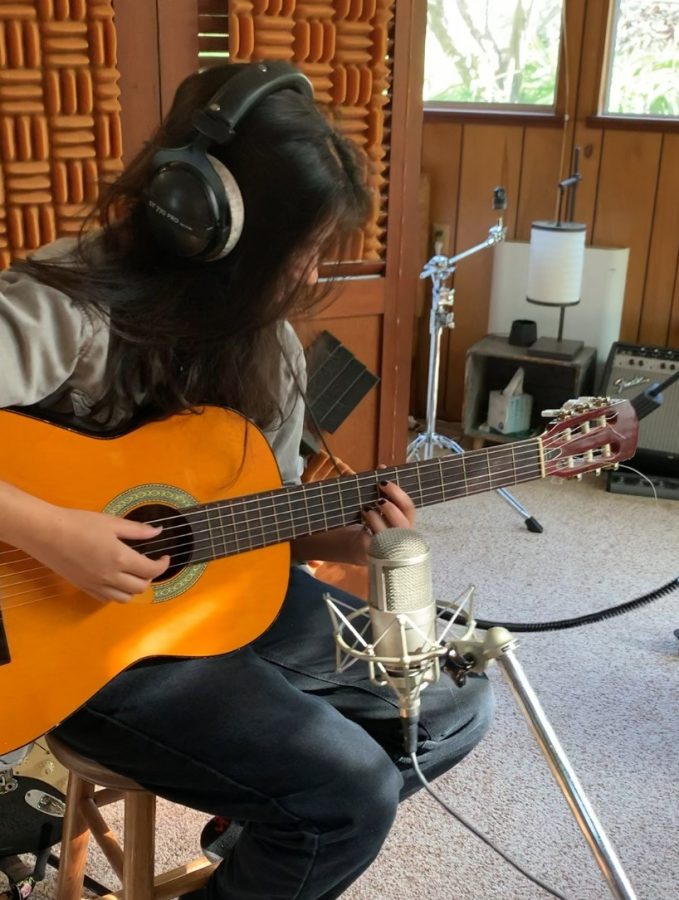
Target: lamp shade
point(555, 263)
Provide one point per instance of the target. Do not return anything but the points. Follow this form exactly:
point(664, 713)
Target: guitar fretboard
point(229, 527)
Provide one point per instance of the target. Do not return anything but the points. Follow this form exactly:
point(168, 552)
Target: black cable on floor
point(560, 624)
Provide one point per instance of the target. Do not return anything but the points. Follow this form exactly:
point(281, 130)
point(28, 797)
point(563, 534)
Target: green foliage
point(505, 52)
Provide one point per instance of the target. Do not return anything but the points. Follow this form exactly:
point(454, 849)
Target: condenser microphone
point(403, 619)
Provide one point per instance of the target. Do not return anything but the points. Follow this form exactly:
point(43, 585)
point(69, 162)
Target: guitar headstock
point(589, 434)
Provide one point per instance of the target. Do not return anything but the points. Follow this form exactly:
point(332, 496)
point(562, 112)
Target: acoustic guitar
point(212, 481)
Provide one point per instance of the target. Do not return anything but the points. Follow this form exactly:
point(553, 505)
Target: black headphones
point(193, 204)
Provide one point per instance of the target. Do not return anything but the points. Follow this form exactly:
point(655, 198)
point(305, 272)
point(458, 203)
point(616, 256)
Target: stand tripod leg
point(566, 778)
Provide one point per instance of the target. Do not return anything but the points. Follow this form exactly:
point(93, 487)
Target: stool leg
point(74, 841)
point(139, 845)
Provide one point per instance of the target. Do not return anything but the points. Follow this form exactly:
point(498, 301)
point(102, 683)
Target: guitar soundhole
point(176, 538)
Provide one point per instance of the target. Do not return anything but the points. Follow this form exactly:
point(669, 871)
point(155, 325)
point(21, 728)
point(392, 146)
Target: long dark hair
point(193, 333)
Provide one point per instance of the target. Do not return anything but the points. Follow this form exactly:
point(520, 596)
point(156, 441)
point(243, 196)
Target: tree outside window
point(643, 71)
point(502, 53)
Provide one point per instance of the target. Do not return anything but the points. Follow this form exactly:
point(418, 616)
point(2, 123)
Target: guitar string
point(339, 486)
point(239, 504)
point(49, 574)
point(316, 520)
point(198, 546)
point(362, 480)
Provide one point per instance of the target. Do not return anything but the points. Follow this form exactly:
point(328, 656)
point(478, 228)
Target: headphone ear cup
point(193, 204)
point(235, 212)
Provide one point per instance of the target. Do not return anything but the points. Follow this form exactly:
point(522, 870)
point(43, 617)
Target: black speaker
point(632, 369)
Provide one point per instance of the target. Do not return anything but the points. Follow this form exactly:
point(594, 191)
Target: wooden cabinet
point(490, 364)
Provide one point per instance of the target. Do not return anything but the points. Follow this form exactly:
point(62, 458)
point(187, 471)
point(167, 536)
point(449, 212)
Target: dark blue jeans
point(271, 735)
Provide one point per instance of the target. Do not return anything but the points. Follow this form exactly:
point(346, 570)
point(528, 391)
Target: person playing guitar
point(209, 243)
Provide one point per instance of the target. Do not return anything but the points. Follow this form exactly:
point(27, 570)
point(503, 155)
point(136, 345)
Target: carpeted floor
point(609, 690)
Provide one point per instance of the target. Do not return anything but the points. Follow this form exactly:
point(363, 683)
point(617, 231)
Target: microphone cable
point(428, 788)
point(561, 624)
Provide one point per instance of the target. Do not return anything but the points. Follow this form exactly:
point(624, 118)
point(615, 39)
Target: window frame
point(633, 121)
point(584, 98)
point(518, 114)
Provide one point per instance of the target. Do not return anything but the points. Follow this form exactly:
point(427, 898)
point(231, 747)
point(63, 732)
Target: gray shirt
point(53, 353)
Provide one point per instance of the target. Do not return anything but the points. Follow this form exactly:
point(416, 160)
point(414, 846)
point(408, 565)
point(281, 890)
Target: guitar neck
point(270, 517)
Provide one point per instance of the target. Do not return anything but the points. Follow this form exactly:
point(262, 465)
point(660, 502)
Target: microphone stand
point(409, 672)
point(439, 268)
point(474, 654)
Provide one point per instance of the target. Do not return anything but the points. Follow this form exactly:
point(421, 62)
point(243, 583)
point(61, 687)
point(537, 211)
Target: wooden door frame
point(157, 48)
point(403, 229)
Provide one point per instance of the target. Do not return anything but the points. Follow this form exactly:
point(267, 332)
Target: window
point(643, 68)
point(492, 53)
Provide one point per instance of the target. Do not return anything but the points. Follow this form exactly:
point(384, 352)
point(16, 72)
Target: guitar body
point(212, 481)
point(57, 645)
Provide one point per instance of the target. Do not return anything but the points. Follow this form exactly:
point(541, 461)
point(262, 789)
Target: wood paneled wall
point(627, 198)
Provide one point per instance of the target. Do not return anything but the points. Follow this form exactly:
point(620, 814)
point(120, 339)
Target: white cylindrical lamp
point(555, 266)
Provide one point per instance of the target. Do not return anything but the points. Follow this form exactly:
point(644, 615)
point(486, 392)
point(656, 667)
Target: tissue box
point(509, 414)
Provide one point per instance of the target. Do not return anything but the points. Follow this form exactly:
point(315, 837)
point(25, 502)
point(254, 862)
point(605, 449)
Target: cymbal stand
point(439, 268)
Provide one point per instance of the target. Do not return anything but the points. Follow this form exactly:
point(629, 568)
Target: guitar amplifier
point(632, 369)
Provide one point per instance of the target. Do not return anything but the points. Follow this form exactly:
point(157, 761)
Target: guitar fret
point(271, 517)
point(357, 480)
point(419, 487)
point(274, 514)
point(340, 501)
point(313, 507)
point(476, 471)
point(432, 489)
point(185, 544)
point(334, 501)
point(240, 522)
point(258, 540)
point(408, 480)
point(501, 465)
point(323, 510)
point(291, 512)
point(211, 536)
point(349, 487)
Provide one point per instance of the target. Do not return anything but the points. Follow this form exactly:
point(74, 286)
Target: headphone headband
point(236, 98)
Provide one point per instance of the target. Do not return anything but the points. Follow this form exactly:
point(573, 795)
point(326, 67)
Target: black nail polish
point(383, 483)
point(381, 501)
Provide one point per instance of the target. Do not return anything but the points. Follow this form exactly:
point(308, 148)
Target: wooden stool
point(133, 863)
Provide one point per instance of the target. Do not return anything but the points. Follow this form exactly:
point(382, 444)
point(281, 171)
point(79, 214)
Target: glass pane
point(643, 78)
point(492, 51)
